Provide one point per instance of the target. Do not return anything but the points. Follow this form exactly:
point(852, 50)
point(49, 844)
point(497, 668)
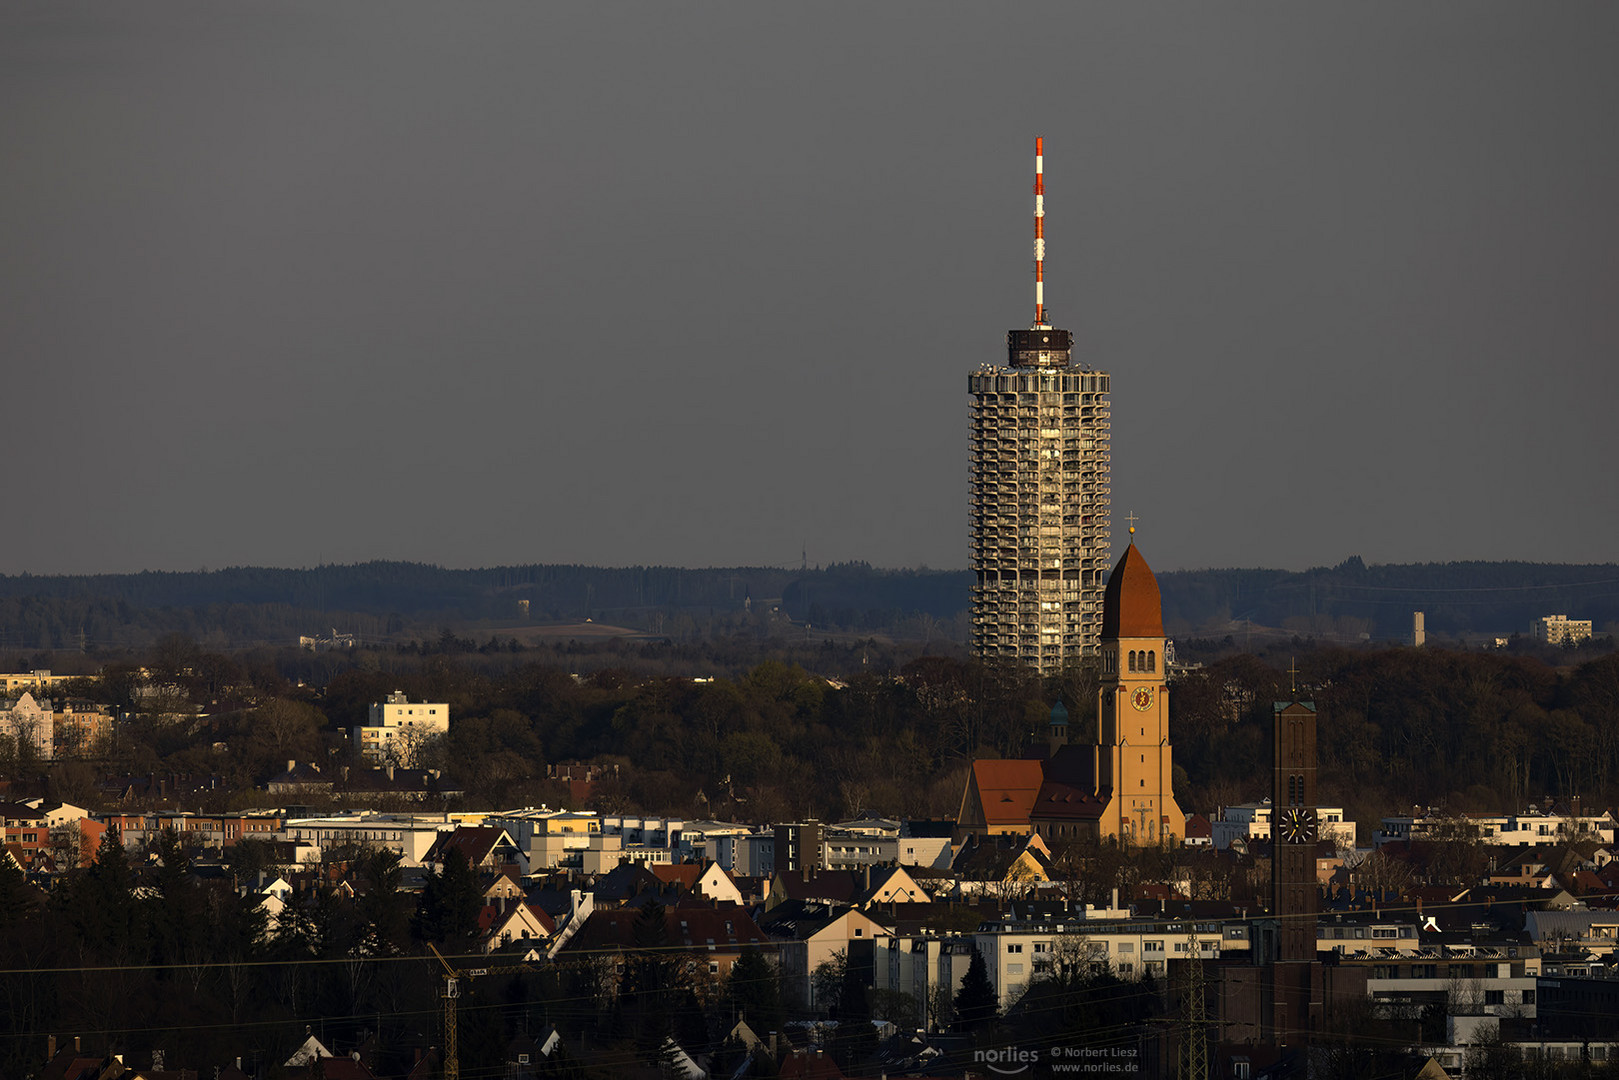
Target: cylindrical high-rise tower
point(1039, 490)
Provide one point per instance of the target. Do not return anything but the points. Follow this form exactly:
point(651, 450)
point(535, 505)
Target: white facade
point(928, 967)
point(1560, 630)
point(1018, 954)
point(411, 837)
point(396, 729)
point(1528, 829)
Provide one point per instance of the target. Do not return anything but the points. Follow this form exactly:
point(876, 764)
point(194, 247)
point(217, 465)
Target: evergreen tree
point(382, 907)
point(976, 1004)
point(448, 911)
point(754, 990)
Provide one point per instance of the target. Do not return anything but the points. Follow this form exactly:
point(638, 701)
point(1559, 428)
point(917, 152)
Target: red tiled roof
point(1007, 789)
point(683, 874)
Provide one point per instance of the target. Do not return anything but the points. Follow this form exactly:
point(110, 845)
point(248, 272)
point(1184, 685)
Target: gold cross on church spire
point(1293, 672)
point(1132, 519)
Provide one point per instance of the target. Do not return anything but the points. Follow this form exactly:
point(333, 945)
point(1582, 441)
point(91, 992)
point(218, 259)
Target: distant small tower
point(1057, 732)
point(1419, 630)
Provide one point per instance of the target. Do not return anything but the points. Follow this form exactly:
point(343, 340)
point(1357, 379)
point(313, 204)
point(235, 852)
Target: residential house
point(31, 725)
point(810, 934)
point(486, 848)
point(504, 922)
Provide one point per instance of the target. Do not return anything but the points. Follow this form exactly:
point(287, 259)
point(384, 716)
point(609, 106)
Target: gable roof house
point(488, 849)
point(811, 934)
point(504, 922)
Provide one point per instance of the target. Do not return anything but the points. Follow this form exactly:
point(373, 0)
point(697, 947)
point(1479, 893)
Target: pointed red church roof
point(1131, 607)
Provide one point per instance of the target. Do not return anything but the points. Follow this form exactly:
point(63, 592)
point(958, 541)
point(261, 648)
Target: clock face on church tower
point(1142, 698)
point(1298, 825)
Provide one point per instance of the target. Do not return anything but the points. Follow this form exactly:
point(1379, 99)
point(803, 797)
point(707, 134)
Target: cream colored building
point(397, 728)
point(1560, 630)
point(29, 723)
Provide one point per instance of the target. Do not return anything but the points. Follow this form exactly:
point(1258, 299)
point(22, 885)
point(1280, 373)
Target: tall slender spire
point(1039, 231)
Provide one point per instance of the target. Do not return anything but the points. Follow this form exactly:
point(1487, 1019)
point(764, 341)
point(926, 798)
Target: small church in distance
point(1114, 781)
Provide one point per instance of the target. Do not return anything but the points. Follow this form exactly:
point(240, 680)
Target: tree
point(976, 1004)
point(826, 981)
point(754, 990)
point(448, 911)
point(382, 907)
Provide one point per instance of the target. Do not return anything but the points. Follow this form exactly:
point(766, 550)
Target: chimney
point(291, 764)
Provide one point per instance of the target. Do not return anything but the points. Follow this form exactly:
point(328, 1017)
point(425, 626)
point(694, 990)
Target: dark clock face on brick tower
point(1142, 698)
point(1298, 825)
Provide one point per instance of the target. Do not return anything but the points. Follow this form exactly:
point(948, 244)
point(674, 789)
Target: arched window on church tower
point(1132, 659)
point(1152, 660)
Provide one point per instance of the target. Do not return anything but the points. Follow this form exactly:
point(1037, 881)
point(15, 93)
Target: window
point(1014, 948)
point(1152, 946)
point(1495, 997)
point(1014, 969)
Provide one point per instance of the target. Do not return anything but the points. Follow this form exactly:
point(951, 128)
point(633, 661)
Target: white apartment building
point(1560, 630)
point(1528, 829)
point(926, 966)
point(1251, 821)
point(1017, 954)
point(396, 728)
point(411, 837)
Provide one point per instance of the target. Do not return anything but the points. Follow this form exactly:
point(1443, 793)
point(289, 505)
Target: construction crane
point(452, 993)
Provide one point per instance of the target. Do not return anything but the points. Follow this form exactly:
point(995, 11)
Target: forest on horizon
point(1350, 603)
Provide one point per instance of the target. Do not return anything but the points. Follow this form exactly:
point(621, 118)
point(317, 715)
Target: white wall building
point(396, 729)
point(1560, 630)
point(409, 836)
point(1528, 829)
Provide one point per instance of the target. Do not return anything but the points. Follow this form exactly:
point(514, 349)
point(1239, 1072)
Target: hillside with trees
point(391, 602)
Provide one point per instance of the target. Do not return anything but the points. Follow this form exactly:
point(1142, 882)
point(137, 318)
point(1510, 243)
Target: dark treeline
point(1353, 601)
point(232, 608)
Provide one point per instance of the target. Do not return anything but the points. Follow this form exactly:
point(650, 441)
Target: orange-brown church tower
point(1134, 759)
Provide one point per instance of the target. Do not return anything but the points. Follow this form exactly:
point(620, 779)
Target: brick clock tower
point(1296, 983)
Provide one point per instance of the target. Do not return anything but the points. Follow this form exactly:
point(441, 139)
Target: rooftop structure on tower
point(1039, 489)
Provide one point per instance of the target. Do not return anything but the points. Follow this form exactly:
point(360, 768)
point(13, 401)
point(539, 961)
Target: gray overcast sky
point(701, 284)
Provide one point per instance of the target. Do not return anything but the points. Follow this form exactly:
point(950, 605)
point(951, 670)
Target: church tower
point(1134, 759)
point(1295, 980)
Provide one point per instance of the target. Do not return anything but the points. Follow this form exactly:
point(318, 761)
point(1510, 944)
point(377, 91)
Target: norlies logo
point(1007, 1062)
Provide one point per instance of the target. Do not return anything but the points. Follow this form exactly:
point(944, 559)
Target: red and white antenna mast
point(1039, 231)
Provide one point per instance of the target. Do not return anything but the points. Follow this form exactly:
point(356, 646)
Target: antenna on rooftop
point(1039, 231)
